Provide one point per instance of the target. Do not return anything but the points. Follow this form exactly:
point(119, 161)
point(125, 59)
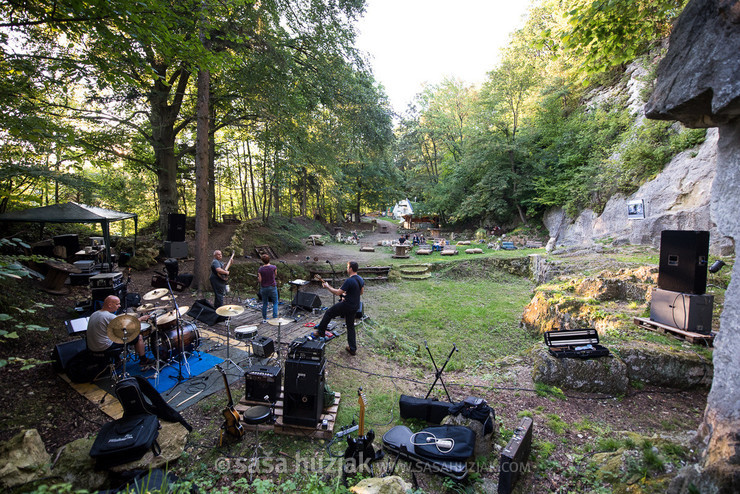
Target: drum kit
point(168, 337)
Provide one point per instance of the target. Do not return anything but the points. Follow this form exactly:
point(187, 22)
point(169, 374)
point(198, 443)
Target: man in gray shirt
point(97, 332)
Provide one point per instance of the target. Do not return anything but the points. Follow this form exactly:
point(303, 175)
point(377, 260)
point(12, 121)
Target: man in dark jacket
point(348, 305)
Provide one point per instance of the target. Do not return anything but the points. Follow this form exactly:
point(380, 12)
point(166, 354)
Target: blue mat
point(198, 363)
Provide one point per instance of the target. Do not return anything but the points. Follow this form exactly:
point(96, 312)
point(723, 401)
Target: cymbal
point(124, 328)
point(168, 297)
point(170, 316)
point(155, 294)
point(229, 310)
point(279, 320)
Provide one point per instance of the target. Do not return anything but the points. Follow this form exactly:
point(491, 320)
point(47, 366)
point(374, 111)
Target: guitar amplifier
point(304, 348)
point(261, 381)
point(514, 456)
point(106, 280)
point(263, 347)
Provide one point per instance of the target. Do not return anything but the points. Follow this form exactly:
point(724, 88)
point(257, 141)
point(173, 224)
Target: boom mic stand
point(178, 330)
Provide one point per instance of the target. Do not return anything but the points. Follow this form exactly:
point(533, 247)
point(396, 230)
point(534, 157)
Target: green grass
point(480, 317)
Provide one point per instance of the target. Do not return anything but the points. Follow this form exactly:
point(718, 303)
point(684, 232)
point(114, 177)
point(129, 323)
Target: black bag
point(445, 442)
point(478, 409)
point(85, 366)
point(124, 440)
point(432, 411)
point(138, 396)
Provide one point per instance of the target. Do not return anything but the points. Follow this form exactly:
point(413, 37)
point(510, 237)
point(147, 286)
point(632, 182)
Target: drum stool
point(110, 359)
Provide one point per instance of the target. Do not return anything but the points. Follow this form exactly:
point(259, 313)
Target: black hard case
point(563, 344)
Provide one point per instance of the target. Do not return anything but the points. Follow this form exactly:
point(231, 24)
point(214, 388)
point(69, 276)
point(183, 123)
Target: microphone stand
point(178, 330)
point(333, 281)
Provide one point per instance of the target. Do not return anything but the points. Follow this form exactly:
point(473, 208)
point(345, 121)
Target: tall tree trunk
point(211, 165)
point(251, 180)
point(202, 160)
point(304, 191)
point(162, 118)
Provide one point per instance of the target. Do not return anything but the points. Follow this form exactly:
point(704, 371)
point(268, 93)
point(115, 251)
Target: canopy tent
point(71, 212)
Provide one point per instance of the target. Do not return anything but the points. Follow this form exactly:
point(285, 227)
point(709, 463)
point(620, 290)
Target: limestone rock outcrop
point(23, 458)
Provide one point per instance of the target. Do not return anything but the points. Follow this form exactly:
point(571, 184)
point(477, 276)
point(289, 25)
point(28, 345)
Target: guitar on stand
point(360, 452)
point(232, 421)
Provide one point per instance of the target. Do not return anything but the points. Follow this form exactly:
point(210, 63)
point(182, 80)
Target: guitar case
point(401, 441)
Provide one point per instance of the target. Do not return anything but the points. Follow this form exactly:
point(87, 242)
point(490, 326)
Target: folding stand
point(438, 372)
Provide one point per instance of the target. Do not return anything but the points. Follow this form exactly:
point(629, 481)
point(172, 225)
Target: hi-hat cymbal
point(155, 294)
point(168, 297)
point(124, 328)
point(229, 310)
point(279, 320)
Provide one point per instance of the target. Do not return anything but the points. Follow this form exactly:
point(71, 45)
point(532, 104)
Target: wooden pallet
point(691, 337)
point(330, 415)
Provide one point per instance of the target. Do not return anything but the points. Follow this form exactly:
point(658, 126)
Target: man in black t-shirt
point(350, 292)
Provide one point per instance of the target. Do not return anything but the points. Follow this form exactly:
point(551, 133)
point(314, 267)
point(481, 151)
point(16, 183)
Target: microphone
point(716, 266)
point(328, 261)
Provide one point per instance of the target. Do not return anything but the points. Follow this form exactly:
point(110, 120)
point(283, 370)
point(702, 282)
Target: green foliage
point(605, 33)
point(551, 391)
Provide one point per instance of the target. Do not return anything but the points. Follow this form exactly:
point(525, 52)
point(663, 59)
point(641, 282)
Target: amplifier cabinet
point(263, 346)
point(683, 261)
point(682, 310)
point(261, 381)
point(306, 349)
point(106, 280)
point(303, 400)
point(514, 456)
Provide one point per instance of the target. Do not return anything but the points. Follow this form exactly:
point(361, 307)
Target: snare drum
point(245, 332)
point(146, 329)
point(169, 342)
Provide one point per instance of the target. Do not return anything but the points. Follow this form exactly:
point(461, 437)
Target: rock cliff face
point(677, 199)
point(698, 85)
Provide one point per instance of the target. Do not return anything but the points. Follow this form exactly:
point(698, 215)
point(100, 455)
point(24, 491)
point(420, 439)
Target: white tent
point(401, 209)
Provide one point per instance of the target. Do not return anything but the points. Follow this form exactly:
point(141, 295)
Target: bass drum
point(169, 343)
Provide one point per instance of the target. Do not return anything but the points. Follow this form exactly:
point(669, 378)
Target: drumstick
point(188, 399)
point(173, 397)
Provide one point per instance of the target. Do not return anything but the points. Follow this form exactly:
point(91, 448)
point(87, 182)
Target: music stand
point(228, 311)
point(438, 372)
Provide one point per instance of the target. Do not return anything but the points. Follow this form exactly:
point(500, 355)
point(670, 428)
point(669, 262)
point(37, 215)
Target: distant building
point(402, 208)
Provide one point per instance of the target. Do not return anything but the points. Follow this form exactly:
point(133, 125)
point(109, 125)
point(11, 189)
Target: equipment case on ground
point(573, 343)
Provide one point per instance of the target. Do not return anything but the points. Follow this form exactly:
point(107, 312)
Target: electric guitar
point(360, 452)
point(225, 277)
point(232, 421)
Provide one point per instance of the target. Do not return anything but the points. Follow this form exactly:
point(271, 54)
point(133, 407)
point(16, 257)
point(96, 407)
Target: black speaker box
point(307, 300)
point(683, 261)
point(204, 311)
point(63, 353)
point(176, 227)
point(303, 400)
point(261, 381)
point(304, 376)
point(514, 456)
point(263, 347)
point(301, 409)
point(70, 241)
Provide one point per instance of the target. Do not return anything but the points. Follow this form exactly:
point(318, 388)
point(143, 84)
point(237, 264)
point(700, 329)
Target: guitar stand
point(438, 371)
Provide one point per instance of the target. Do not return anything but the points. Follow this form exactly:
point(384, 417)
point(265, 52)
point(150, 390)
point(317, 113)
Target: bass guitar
point(360, 452)
point(225, 277)
point(232, 421)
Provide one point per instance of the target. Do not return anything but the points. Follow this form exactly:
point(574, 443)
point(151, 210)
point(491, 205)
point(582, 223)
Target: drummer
point(97, 332)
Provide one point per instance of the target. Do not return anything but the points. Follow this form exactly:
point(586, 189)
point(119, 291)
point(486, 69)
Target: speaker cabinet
point(175, 227)
point(63, 353)
point(99, 295)
point(682, 310)
point(204, 311)
point(303, 392)
point(307, 300)
point(176, 250)
point(683, 261)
